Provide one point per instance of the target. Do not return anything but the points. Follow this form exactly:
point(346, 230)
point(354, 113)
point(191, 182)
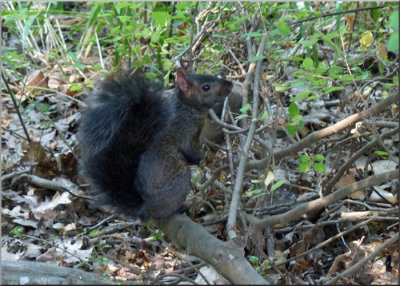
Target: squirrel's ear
point(182, 82)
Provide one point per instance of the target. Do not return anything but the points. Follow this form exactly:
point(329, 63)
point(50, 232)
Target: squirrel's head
point(202, 91)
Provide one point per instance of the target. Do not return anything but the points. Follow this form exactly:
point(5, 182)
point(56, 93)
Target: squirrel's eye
point(206, 87)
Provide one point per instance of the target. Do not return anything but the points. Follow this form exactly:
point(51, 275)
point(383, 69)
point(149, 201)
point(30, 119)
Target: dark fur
point(137, 144)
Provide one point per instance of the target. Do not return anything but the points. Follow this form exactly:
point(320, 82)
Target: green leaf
point(256, 58)
point(292, 129)
point(312, 41)
point(308, 64)
point(301, 95)
point(393, 42)
point(304, 167)
point(320, 168)
point(263, 116)
point(256, 192)
point(269, 179)
point(157, 236)
point(277, 185)
point(241, 116)
point(253, 259)
point(312, 97)
point(160, 17)
point(76, 86)
point(383, 154)
point(304, 158)
point(394, 20)
point(293, 110)
point(280, 87)
point(124, 19)
point(297, 119)
point(319, 158)
point(283, 28)
point(245, 108)
point(155, 36)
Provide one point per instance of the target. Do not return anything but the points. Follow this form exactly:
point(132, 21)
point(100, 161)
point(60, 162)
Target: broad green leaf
point(245, 108)
point(253, 259)
point(320, 168)
point(160, 17)
point(393, 42)
point(319, 158)
point(304, 158)
point(283, 28)
point(308, 64)
point(305, 167)
point(124, 19)
point(297, 119)
point(292, 128)
point(293, 110)
point(394, 20)
point(155, 36)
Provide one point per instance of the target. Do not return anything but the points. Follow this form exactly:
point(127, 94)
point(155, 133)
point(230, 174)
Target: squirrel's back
point(137, 144)
point(122, 115)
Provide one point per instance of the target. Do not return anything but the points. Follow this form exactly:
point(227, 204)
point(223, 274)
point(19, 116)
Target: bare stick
point(243, 157)
point(16, 108)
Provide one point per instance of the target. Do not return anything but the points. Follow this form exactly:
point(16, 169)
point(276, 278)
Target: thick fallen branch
point(341, 193)
point(317, 135)
point(31, 273)
point(226, 257)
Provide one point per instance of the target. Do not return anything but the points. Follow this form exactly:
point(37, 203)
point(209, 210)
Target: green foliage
point(296, 120)
point(17, 231)
point(157, 235)
point(244, 110)
point(307, 162)
point(266, 182)
point(393, 42)
point(259, 266)
point(384, 155)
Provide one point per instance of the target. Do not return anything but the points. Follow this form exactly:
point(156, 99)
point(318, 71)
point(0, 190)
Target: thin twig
point(353, 269)
point(16, 108)
point(243, 157)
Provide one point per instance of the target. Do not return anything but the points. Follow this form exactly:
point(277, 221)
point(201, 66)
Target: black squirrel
point(137, 144)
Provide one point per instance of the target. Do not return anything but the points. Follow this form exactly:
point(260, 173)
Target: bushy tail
point(122, 116)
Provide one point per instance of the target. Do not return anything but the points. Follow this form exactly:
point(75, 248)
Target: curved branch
point(226, 257)
point(341, 193)
point(317, 135)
